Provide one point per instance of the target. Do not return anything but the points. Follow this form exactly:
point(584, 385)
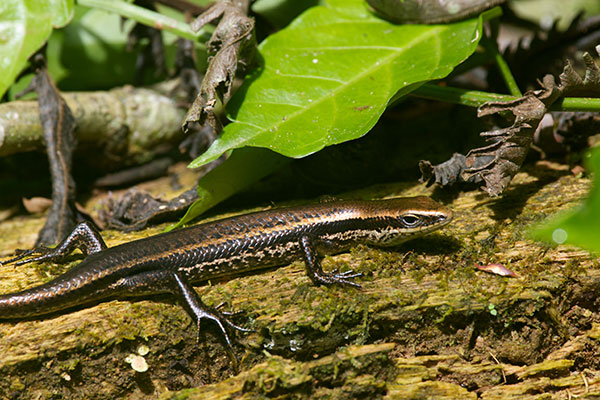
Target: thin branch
point(474, 98)
point(492, 48)
point(146, 17)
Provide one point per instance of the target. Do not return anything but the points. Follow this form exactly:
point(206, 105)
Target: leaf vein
point(323, 78)
point(279, 103)
point(248, 123)
point(317, 48)
point(357, 77)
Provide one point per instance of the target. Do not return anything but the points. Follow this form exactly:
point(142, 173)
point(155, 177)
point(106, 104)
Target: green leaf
point(327, 78)
point(244, 168)
point(25, 25)
point(281, 12)
point(581, 225)
point(93, 51)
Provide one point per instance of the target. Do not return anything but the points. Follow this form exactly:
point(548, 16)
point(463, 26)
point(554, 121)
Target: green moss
point(16, 385)
point(446, 312)
point(277, 377)
point(71, 364)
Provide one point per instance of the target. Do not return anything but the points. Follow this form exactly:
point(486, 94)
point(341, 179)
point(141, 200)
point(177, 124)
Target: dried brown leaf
point(233, 33)
point(509, 145)
point(497, 163)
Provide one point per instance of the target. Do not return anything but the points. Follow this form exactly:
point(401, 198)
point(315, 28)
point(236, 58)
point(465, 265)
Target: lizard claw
point(21, 254)
point(229, 314)
point(342, 278)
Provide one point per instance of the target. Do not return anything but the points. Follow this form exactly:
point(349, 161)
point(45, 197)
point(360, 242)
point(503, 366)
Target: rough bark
point(425, 324)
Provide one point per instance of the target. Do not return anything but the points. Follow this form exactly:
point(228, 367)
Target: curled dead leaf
point(228, 49)
point(497, 163)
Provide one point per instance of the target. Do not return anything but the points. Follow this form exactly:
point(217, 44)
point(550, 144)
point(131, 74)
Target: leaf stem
point(492, 49)
point(577, 104)
point(471, 98)
point(144, 16)
point(491, 14)
point(474, 98)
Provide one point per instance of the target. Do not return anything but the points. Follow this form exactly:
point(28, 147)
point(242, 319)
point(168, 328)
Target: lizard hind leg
point(84, 237)
point(194, 306)
point(164, 281)
point(197, 310)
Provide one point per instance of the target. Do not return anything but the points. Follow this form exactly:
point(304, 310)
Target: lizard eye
point(410, 220)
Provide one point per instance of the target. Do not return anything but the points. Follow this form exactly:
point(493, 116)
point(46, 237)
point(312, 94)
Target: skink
point(170, 262)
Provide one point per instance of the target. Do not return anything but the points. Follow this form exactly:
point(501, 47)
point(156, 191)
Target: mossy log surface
point(426, 323)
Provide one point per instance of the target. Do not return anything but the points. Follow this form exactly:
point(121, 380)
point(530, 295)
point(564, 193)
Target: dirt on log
point(426, 323)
